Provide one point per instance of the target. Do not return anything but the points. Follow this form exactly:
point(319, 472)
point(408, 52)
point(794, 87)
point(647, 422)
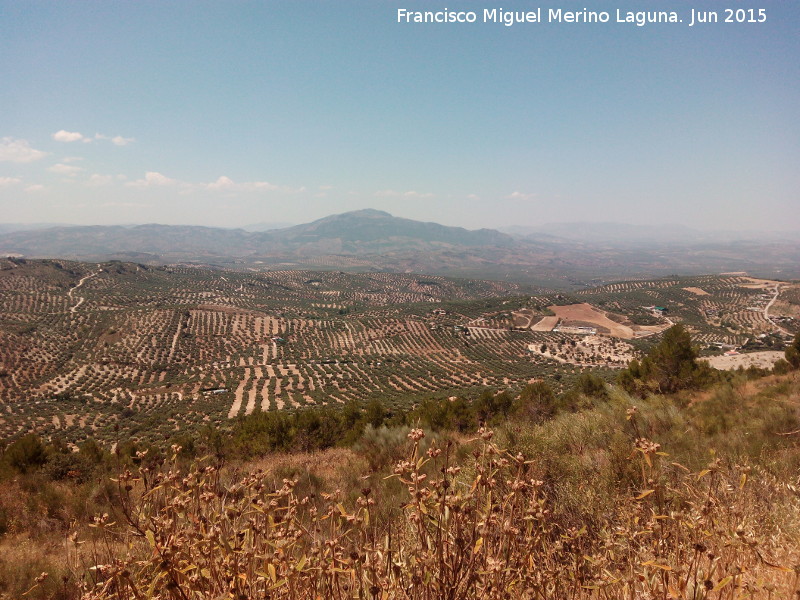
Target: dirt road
point(72, 291)
point(776, 292)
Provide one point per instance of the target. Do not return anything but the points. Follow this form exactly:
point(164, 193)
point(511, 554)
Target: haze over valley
point(563, 256)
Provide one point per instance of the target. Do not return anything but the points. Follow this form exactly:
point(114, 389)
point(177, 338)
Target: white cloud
point(152, 179)
point(34, 188)
point(409, 194)
point(62, 169)
point(222, 183)
point(4, 181)
point(75, 136)
point(520, 196)
point(156, 178)
point(18, 151)
point(71, 159)
point(226, 184)
point(97, 180)
point(117, 140)
point(69, 136)
point(473, 197)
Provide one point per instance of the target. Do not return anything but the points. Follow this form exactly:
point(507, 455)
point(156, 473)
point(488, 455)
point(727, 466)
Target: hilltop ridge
point(374, 240)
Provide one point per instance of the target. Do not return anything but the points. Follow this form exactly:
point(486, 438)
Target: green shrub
point(73, 466)
point(489, 407)
point(382, 446)
point(792, 353)
point(536, 402)
point(445, 415)
point(781, 367)
point(670, 366)
point(591, 386)
point(26, 454)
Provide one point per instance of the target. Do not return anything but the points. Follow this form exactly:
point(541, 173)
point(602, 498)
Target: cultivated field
point(580, 315)
point(121, 350)
point(124, 350)
point(731, 311)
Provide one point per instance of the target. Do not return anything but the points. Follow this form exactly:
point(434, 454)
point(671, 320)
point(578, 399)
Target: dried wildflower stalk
point(483, 529)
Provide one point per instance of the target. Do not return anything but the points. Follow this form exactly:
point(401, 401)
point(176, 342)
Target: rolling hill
point(372, 240)
point(359, 232)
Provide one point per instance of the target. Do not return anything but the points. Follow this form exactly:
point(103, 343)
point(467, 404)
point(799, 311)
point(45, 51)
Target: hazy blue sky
point(230, 112)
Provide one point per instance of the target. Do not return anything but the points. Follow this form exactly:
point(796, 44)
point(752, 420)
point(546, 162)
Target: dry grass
point(328, 465)
point(593, 507)
point(481, 527)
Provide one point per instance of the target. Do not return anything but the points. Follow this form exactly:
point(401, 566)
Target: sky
point(229, 113)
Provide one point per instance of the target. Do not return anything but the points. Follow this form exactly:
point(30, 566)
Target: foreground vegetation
point(595, 493)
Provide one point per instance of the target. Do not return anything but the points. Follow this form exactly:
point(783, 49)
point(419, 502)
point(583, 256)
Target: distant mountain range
point(560, 255)
point(9, 227)
point(357, 233)
point(625, 233)
point(374, 231)
point(264, 226)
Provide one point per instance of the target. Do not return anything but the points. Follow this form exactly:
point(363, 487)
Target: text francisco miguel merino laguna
point(558, 15)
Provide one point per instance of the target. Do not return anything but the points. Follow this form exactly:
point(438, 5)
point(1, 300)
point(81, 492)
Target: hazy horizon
point(222, 114)
point(252, 227)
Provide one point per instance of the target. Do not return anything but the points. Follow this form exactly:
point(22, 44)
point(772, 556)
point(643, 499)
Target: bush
point(670, 366)
point(592, 386)
point(25, 454)
point(792, 353)
point(382, 446)
point(490, 406)
point(536, 402)
point(73, 466)
point(92, 451)
point(445, 414)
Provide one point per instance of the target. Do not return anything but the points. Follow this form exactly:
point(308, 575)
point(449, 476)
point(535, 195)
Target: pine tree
point(674, 361)
point(670, 366)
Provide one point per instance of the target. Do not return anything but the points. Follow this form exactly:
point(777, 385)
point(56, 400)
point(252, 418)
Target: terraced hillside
point(728, 309)
point(121, 349)
point(118, 350)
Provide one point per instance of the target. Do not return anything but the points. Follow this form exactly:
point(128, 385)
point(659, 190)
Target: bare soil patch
point(615, 325)
point(753, 283)
point(545, 324)
point(523, 318)
point(762, 360)
point(109, 338)
point(580, 314)
point(787, 309)
point(696, 290)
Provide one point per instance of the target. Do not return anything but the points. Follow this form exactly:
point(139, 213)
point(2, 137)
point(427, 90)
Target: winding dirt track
point(81, 299)
point(776, 292)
